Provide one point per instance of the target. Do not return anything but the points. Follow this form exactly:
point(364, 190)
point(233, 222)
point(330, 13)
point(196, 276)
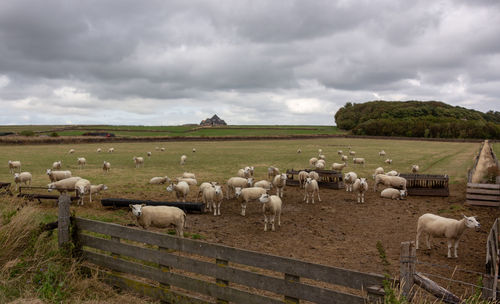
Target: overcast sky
point(251, 62)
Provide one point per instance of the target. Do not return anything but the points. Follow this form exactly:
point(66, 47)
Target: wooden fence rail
point(222, 270)
point(492, 260)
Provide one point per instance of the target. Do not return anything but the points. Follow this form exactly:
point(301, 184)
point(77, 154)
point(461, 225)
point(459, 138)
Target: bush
point(27, 133)
point(54, 134)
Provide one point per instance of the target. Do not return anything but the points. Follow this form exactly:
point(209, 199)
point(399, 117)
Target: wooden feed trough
point(426, 184)
point(31, 194)
point(327, 178)
point(188, 207)
point(483, 194)
point(5, 188)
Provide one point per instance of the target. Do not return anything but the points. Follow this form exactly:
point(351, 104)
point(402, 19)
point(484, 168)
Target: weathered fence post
point(164, 268)
point(220, 282)
point(294, 279)
point(407, 260)
point(63, 219)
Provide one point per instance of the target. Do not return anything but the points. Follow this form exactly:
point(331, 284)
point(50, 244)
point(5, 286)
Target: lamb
point(388, 161)
point(162, 149)
point(160, 216)
point(81, 162)
point(14, 164)
point(241, 182)
point(313, 161)
point(181, 190)
point(311, 187)
point(139, 161)
point(344, 158)
point(437, 226)
point(265, 184)
point(157, 148)
point(381, 153)
point(159, 180)
point(314, 175)
point(99, 150)
point(218, 199)
point(360, 186)
point(247, 194)
point(189, 181)
point(194, 150)
point(203, 186)
point(414, 169)
point(339, 167)
point(208, 197)
point(64, 184)
point(340, 152)
point(320, 164)
point(389, 181)
point(299, 150)
point(272, 172)
point(82, 186)
point(111, 150)
point(188, 175)
point(271, 203)
point(378, 171)
point(352, 153)
point(106, 166)
point(23, 177)
point(392, 173)
point(57, 165)
point(358, 160)
point(71, 151)
point(55, 176)
point(303, 175)
point(95, 189)
point(393, 193)
point(349, 179)
point(322, 156)
point(183, 160)
point(279, 182)
point(243, 173)
point(148, 154)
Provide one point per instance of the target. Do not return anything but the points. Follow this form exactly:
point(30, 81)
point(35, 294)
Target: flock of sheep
point(244, 189)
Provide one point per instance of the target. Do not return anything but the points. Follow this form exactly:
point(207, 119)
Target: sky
point(275, 62)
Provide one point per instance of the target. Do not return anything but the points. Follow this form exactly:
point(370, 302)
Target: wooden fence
point(483, 194)
point(493, 259)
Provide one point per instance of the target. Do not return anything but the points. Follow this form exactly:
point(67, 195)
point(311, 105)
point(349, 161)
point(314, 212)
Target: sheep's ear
point(464, 215)
point(142, 205)
point(130, 205)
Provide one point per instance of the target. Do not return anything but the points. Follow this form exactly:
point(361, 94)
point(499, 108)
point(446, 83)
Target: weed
point(7, 215)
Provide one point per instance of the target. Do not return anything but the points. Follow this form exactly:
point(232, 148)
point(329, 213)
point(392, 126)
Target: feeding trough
point(483, 185)
point(327, 178)
point(5, 188)
point(188, 207)
point(32, 193)
point(426, 184)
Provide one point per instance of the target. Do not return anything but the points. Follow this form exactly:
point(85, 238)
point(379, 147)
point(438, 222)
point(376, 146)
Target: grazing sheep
point(299, 150)
point(64, 184)
point(314, 175)
point(381, 153)
point(251, 170)
point(208, 197)
point(313, 161)
point(111, 150)
point(320, 164)
point(388, 161)
point(181, 190)
point(352, 153)
point(157, 148)
point(162, 149)
point(241, 182)
point(139, 161)
point(321, 156)
point(95, 189)
point(302, 176)
point(438, 226)
point(272, 204)
point(203, 186)
point(272, 172)
point(243, 173)
point(320, 151)
point(160, 216)
point(311, 187)
point(378, 171)
point(392, 173)
point(194, 150)
point(279, 182)
point(81, 162)
point(99, 150)
point(148, 154)
point(183, 159)
point(244, 195)
point(360, 186)
point(106, 166)
point(219, 196)
point(188, 175)
point(71, 151)
point(82, 186)
point(159, 180)
point(189, 181)
point(339, 167)
point(344, 158)
point(349, 179)
point(389, 181)
point(14, 164)
point(265, 184)
point(358, 160)
point(23, 177)
point(414, 169)
point(55, 176)
point(57, 165)
point(393, 193)
point(340, 152)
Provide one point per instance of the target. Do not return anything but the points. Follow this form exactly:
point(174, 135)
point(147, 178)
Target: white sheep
point(272, 172)
point(138, 161)
point(388, 161)
point(311, 187)
point(64, 184)
point(381, 153)
point(389, 181)
point(148, 154)
point(106, 166)
point(312, 161)
point(352, 153)
point(243, 173)
point(250, 170)
point(99, 150)
point(111, 150)
point(393, 193)
point(208, 197)
point(219, 196)
point(81, 161)
point(320, 164)
point(194, 150)
point(392, 173)
point(272, 204)
point(360, 186)
point(159, 180)
point(299, 150)
point(57, 164)
point(82, 187)
point(14, 164)
point(162, 149)
point(349, 179)
point(344, 158)
point(358, 160)
point(183, 159)
point(320, 151)
point(189, 181)
point(302, 176)
point(71, 151)
point(339, 167)
point(321, 156)
point(314, 175)
point(265, 184)
point(438, 226)
point(181, 190)
point(279, 182)
point(237, 181)
point(414, 169)
point(378, 171)
point(160, 216)
point(188, 175)
point(157, 148)
point(23, 177)
point(244, 195)
point(340, 152)
point(95, 189)
point(203, 186)
point(55, 176)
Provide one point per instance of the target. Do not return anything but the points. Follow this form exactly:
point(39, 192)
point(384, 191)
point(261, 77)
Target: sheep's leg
point(312, 197)
point(272, 221)
point(417, 237)
point(305, 196)
point(428, 239)
point(319, 198)
point(265, 222)
point(279, 218)
point(449, 248)
point(218, 208)
point(363, 197)
point(456, 247)
point(243, 208)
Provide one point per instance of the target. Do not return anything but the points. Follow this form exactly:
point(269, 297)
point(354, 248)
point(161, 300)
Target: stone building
point(214, 121)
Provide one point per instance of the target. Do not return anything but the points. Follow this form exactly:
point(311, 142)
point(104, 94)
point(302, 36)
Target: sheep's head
point(170, 188)
point(51, 187)
point(250, 181)
point(471, 222)
point(283, 176)
point(167, 179)
point(362, 181)
point(104, 187)
point(136, 209)
point(403, 193)
point(237, 191)
point(218, 190)
point(16, 175)
point(49, 171)
point(264, 198)
point(309, 180)
point(10, 162)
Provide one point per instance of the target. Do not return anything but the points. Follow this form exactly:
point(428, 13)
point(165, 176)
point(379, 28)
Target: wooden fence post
point(407, 260)
point(294, 279)
point(164, 268)
point(63, 219)
point(220, 282)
